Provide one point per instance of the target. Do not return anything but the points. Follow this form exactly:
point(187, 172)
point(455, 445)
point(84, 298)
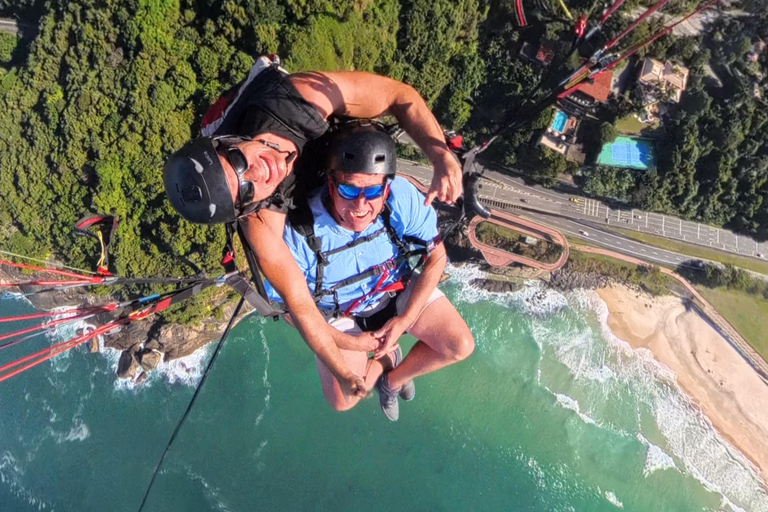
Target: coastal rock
point(149, 359)
point(128, 365)
point(515, 272)
point(152, 345)
point(566, 279)
point(497, 285)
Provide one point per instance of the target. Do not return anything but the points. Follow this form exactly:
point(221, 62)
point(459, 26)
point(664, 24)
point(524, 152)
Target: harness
point(302, 220)
point(254, 292)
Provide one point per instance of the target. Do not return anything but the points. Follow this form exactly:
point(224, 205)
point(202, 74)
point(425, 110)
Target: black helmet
point(363, 147)
point(196, 184)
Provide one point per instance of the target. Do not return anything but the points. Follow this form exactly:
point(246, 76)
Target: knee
point(462, 347)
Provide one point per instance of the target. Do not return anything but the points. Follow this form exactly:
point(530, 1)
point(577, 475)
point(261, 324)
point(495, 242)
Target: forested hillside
point(96, 94)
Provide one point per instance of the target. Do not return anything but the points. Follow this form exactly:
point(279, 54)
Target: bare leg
point(360, 364)
point(444, 339)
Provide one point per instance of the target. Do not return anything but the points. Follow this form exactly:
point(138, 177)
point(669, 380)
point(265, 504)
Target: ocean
point(551, 413)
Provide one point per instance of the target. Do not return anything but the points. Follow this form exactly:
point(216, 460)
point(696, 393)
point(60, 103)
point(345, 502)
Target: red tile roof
point(600, 89)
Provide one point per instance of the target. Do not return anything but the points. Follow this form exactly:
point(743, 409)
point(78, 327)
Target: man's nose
point(361, 200)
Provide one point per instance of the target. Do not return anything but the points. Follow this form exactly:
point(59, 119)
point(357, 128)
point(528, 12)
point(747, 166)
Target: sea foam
point(604, 365)
point(655, 459)
point(571, 403)
point(687, 432)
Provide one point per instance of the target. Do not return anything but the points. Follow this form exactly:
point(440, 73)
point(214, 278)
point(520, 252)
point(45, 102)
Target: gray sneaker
point(407, 390)
point(388, 398)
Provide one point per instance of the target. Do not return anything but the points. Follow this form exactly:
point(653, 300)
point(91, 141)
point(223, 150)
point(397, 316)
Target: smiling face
point(356, 214)
point(267, 167)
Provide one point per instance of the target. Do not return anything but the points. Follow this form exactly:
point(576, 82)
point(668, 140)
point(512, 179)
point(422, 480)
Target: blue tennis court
point(628, 153)
point(559, 123)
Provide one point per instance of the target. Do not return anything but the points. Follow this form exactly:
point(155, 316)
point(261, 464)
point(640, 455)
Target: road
point(557, 210)
point(9, 25)
point(693, 26)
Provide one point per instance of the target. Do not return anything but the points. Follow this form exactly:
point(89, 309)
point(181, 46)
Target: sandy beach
point(708, 368)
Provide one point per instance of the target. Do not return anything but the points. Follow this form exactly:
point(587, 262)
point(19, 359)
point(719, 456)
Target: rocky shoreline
point(145, 344)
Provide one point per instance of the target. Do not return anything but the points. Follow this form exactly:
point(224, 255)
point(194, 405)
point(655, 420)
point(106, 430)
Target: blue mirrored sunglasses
point(351, 192)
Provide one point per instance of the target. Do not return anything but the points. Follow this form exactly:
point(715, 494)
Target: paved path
point(499, 258)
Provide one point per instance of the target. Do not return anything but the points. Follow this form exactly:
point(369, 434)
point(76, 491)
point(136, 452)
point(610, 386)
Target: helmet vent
point(192, 194)
point(380, 158)
point(349, 156)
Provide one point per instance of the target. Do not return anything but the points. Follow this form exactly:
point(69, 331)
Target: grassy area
point(649, 277)
point(745, 312)
point(518, 243)
point(630, 125)
point(697, 251)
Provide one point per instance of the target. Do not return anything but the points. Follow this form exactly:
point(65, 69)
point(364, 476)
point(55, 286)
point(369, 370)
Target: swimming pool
point(628, 153)
point(558, 124)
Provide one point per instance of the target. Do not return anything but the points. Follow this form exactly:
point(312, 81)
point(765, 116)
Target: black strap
point(375, 270)
point(257, 297)
point(377, 320)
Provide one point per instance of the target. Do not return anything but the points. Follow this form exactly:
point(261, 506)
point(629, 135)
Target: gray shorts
point(348, 325)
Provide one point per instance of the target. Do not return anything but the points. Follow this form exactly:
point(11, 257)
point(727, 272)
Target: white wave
point(265, 382)
point(613, 499)
point(7, 295)
point(211, 492)
point(606, 367)
point(655, 458)
point(79, 432)
point(534, 298)
point(567, 402)
point(689, 435)
point(11, 474)
point(186, 370)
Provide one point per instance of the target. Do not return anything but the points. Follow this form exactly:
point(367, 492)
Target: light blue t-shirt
point(409, 218)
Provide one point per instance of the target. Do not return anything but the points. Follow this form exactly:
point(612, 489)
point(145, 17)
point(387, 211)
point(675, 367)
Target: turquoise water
point(559, 122)
point(628, 152)
point(551, 413)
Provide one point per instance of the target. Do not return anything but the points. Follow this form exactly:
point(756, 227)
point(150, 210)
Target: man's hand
point(353, 385)
point(446, 180)
point(389, 334)
point(363, 342)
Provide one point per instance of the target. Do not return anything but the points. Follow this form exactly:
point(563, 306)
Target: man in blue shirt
point(255, 157)
point(353, 242)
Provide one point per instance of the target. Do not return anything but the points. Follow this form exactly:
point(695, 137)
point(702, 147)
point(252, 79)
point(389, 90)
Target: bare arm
point(265, 234)
point(366, 95)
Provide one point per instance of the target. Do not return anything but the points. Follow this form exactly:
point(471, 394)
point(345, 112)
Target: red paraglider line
point(54, 350)
point(520, 13)
point(633, 50)
point(609, 12)
point(23, 266)
point(40, 327)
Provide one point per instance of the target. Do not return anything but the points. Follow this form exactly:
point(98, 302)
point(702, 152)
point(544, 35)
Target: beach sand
point(708, 368)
